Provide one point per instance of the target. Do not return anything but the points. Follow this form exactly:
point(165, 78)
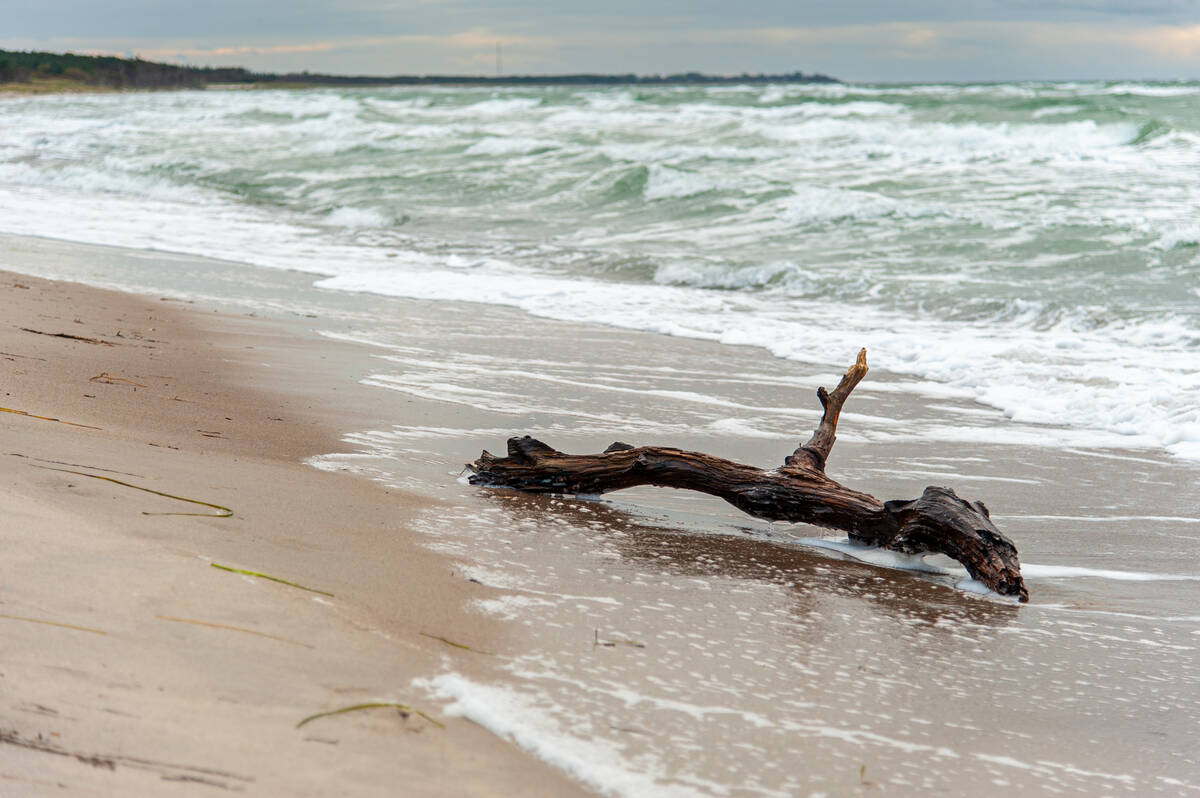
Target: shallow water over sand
point(666, 644)
point(663, 644)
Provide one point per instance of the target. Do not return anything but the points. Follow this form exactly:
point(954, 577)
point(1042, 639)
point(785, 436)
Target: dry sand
point(134, 667)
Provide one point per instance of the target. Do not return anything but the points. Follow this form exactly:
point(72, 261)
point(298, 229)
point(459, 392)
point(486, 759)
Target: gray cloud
point(856, 39)
point(1161, 11)
point(273, 18)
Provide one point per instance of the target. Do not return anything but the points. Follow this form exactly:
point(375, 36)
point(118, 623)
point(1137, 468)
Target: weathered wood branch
point(798, 491)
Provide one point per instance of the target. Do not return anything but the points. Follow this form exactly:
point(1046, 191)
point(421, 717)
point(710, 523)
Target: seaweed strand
point(225, 512)
point(272, 578)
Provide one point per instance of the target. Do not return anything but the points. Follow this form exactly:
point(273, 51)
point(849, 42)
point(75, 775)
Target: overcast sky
point(858, 40)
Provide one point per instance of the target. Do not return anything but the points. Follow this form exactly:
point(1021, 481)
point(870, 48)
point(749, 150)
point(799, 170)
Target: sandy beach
point(651, 643)
point(133, 666)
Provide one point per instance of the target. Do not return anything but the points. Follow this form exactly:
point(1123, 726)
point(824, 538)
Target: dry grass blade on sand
point(231, 628)
point(54, 623)
point(45, 418)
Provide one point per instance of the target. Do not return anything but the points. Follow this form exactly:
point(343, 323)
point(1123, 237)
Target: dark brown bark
point(798, 491)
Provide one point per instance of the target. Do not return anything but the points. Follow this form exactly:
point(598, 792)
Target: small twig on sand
point(403, 709)
point(613, 643)
point(456, 645)
point(109, 379)
point(69, 336)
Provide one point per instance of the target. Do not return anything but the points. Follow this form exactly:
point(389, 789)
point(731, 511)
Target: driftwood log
point(798, 491)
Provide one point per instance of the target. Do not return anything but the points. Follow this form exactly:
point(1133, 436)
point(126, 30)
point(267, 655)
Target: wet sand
point(134, 667)
point(653, 643)
point(744, 659)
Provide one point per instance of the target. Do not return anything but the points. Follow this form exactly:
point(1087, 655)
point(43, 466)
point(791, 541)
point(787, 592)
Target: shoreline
point(142, 664)
point(721, 628)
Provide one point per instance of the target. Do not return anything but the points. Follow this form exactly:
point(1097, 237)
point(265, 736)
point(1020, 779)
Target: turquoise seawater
point(1034, 245)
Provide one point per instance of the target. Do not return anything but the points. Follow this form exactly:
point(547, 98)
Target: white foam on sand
point(593, 761)
point(874, 555)
point(1035, 571)
point(1032, 571)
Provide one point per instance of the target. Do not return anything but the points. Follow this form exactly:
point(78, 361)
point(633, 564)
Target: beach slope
point(133, 664)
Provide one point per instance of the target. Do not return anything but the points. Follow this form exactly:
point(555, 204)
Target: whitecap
point(357, 217)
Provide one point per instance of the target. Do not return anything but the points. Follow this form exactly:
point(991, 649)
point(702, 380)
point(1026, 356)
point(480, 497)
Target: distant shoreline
point(582, 79)
point(39, 72)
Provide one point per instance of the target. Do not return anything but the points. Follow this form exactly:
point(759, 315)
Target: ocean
point(1032, 245)
point(684, 265)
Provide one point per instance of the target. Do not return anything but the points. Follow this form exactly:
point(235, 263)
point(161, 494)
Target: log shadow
point(812, 577)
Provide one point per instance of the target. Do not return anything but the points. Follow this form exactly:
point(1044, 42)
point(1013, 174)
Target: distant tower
point(498, 70)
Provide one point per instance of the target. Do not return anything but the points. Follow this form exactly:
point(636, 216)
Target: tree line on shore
point(134, 73)
point(100, 71)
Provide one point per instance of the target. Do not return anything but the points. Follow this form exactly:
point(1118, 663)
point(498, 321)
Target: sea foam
point(1034, 262)
point(596, 761)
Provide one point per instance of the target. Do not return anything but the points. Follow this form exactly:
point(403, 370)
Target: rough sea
point(1022, 262)
point(1034, 245)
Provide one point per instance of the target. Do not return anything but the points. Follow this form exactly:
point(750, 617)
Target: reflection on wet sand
point(811, 576)
point(796, 668)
